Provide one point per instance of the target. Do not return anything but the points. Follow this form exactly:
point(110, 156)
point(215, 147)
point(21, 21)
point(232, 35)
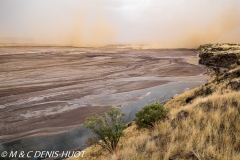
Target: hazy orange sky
point(156, 23)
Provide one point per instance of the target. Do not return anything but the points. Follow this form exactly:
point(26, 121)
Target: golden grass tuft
point(211, 130)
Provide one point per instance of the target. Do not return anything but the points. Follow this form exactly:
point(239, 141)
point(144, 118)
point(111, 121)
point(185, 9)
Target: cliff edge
point(219, 55)
point(203, 123)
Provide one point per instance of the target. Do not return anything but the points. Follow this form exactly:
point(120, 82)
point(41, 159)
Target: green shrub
point(146, 117)
point(238, 55)
point(108, 128)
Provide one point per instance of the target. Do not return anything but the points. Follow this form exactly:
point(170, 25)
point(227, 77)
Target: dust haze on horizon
point(94, 23)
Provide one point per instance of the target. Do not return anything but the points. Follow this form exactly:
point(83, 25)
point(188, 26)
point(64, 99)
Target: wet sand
point(51, 90)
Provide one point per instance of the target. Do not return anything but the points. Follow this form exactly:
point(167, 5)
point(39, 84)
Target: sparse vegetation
point(150, 114)
point(206, 128)
point(203, 123)
point(238, 55)
point(219, 55)
point(204, 134)
point(108, 128)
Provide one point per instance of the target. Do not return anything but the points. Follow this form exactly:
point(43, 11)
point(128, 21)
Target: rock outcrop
point(219, 55)
point(218, 60)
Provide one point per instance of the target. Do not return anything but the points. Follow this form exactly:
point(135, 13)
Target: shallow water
point(74, 139)
point(46, 92)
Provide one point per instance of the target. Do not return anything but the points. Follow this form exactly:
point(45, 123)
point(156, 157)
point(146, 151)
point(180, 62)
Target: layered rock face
point(219, 55)
point(218, 60)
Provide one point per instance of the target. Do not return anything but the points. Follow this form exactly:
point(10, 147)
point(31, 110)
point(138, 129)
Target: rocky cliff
point(219, 55)
point(202, 123)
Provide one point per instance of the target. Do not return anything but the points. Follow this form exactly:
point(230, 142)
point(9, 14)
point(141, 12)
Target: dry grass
point(210, 131)
point(225, 48)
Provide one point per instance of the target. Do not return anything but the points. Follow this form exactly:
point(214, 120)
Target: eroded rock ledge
point(219, 55)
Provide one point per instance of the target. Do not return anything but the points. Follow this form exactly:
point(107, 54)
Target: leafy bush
point(238, 55)
point(108, 128)
point(150, 114)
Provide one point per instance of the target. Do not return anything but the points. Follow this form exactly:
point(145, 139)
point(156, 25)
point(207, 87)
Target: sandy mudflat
point(40, 85)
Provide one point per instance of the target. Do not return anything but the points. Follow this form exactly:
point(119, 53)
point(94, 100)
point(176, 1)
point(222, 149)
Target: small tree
point(150, 114)
point(108, 128)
